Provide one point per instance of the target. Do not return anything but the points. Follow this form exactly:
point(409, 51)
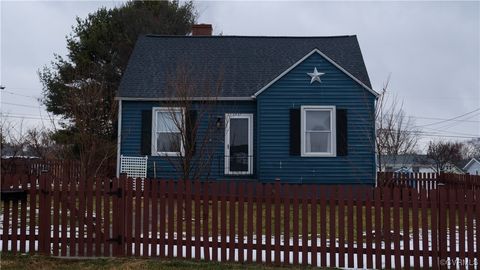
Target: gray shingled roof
point(407, 159)
point(247, 63)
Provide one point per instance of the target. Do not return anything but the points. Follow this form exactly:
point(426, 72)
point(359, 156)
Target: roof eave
point(471, 161)
point(191, 99)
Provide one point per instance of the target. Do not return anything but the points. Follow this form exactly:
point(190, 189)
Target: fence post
point(442, 227)
point(121, 204)
point(441, 178)
point(44, 214)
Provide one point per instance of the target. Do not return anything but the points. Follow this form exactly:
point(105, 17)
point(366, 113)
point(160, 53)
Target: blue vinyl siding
point(294, 90)
point(131, 137)
point(271, 142)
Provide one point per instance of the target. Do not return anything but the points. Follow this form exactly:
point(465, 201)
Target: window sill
point(318, 155)
point(238, 173)
point(167, 154)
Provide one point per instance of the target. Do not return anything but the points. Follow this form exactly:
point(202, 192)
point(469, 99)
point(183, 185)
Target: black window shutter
point(342, 139)
point(146, 136)
point(295, 132)
point(190, 126)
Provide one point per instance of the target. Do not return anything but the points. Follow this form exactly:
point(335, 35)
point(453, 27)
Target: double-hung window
point(167, 136)
point(318, 138)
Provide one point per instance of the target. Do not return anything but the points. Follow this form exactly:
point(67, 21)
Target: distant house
point(410, 163)
point(300, 109)
point(9, 151)
point(455, 167)
point(473, 166)
point(413, 163)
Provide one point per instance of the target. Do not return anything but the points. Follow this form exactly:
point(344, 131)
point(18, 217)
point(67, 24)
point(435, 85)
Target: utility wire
point(450, 119)
point(26, 114)
point(448, 132)
point(450, 125)
point(16, 94)
point(21, 105)
point(27, 117)
point(24, 88)
point(448, 136)
point(436, 118)
point(420, 133)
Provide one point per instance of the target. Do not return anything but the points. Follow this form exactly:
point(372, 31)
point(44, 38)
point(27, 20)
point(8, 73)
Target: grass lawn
point(8, 261)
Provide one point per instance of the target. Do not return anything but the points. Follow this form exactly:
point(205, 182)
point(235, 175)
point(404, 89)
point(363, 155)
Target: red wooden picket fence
point(12, 167)
point(60, 168)
point(272, 223)
point(428, 181)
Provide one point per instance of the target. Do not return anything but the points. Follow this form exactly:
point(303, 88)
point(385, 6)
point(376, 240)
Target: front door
point(238, 144)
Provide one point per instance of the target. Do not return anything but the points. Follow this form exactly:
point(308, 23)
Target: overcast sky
point(431, 50)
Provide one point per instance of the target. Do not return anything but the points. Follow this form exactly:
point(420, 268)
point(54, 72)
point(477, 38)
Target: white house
point(414, 163)
point(473, 166)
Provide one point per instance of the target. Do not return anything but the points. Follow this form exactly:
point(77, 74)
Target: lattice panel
point(134, 166)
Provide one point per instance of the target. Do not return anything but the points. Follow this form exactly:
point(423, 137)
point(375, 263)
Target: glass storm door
point(238, 143)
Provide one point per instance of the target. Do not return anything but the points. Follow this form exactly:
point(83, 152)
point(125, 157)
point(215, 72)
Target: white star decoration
point(315, 76)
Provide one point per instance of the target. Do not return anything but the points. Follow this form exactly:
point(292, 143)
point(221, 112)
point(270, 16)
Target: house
point(407, 163)
point(9, 151)
point(473, 166)
point(455, 167)
point(415, 163)
point(298, 109)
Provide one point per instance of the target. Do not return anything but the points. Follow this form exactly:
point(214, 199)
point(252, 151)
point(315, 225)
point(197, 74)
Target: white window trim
point(333, 127)
point(154, 131)
point(229, 116)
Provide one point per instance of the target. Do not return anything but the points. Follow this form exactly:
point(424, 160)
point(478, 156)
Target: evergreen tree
point(99, 47)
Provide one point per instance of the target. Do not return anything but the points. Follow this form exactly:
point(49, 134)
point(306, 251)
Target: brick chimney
point(202, 30)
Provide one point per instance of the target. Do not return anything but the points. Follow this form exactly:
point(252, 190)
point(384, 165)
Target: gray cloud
point(431, 49)
point(31, 32)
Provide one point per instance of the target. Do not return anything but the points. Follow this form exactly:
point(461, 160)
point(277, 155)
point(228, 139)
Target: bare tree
point(40, 143)
point(395, 132)
point(13, 146)
point(13, 138)
point(196, 124)
point(471, 149)
point(443, 153)
point(85, 102)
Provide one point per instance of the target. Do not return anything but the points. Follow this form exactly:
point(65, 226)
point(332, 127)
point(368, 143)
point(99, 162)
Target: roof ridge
point(238, 36)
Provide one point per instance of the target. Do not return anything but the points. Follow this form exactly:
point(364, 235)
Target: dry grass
point(43, 263)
